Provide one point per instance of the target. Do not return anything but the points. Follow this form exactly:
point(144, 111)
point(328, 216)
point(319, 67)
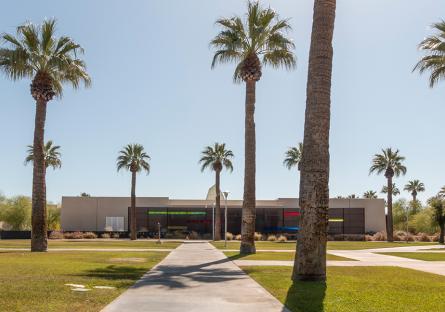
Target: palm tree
point(437, 203)
point(50, 62)
point(395, 191)
point(134, 159)
point(389, 163)
point(293, 157)
point(370, 194)
point(216, 158)
point(51, 155)
point(434, 61)
point(414, 187)
point(310, 262)
point(442, 192)
point(260, 35)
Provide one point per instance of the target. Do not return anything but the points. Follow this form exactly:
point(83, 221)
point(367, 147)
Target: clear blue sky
point(152, 84)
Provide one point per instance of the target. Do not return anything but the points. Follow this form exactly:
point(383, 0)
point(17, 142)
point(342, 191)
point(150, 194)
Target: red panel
point(291, 214)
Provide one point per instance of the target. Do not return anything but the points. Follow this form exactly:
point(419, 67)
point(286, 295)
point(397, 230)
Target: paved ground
point(370, 257)
point(196, 277)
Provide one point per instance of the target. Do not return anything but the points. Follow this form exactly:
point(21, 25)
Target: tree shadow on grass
point(114, 272)
point(306, 297)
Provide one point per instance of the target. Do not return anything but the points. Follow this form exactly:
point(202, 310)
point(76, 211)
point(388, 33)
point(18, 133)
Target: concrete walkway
point(196, 277)
point(370, 257)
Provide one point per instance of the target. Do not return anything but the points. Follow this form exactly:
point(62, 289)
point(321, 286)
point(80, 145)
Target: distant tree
point(83, 194)
point(434, 60)
point(53, 217)
point(51, 154)
point(388, 162)
point(395, 190)
point(134, 159)
point(353, 196)
point(437, 204)
point(258, 39)
point(216, 158)
point(16, 213)
point(293, 157)
point(370, 194)
point(36, 53)
point(414, 187)
point(442, 192)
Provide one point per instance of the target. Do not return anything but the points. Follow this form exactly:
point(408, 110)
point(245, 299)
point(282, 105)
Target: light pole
point(225, 194)
point(159, 233)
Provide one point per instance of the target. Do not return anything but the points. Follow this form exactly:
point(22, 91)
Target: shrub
point(423, 237)
point(105, 235)
point(435, 238)
point(380, 236)
point(115, 235)
point(229, 236)
point(193, 235)
point(399, 235)
point(354, 237)
point(238, 237)
point(56, 235)
point(282, 239)
point(257, 236)
point(73, 235)
point(369, 238)
point(271, 238)
point(409, 237)
point(89, 235)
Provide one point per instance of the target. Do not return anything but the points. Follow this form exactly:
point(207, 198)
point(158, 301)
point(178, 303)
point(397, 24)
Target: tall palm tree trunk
point(217, 206)
point(248, 212)
point(133, 233)
point(310, 263)
point(414, 196)
point(389, 228)
point(39, 237)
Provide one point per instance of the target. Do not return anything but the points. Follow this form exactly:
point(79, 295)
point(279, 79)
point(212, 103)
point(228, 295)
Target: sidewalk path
point(196, 277)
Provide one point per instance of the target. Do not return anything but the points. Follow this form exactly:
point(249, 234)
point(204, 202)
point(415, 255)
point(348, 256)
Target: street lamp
point(225, 194)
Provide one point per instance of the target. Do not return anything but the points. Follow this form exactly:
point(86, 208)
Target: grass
point(425, 256)
point(337, 245)
point(356, 289)
point(25, 243)
point(35, 281)
point(282, 256)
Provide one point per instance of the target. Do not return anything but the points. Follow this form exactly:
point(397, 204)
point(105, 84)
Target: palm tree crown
point(51, 154)
point(133, 158)
point(216, 158)
point(293, 156)
point(260, 34)
point(36, 53)
point(434, 61)
point(370, 194)
point(395, 190)
point(414, 187)
point(442, 192)
point(389, 162)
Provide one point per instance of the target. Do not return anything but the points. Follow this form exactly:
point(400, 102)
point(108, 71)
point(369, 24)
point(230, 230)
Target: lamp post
point(159, 233)
point(225, 194)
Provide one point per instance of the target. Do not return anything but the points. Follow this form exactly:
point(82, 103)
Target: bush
point(257, 236)
point(399, 235)
point(229, 236)
point(409, 238)
point(73, 235)
point(193, 235)
point(271, 238)
point(282, 239)
point(115, 235)
point(423, 237)
point(380, 236)
point(238, 237)
point(105, 235)
point(56, 235)
point(89, 235)
point(369, 238)
point(435, 238)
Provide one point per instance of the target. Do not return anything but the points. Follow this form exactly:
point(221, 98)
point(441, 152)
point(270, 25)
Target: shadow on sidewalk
point(306, 297)
point(172, 276)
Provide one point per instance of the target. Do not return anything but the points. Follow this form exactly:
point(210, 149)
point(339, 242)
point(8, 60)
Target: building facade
point(110, 214)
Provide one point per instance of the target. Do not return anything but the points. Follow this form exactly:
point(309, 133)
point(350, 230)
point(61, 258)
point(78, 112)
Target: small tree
point(293, 157)
point(437, 203)
point(370, 194)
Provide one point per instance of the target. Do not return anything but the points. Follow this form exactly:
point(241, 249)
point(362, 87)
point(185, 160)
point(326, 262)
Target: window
point(114, 224)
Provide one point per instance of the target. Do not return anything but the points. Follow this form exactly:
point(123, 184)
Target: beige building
point(98, 214)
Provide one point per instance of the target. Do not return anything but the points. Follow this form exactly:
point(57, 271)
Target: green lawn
point(356, 289)
point(35, 281)
point(284, 256)
point(331, 245)
point(25, 243)
point(426, 256)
